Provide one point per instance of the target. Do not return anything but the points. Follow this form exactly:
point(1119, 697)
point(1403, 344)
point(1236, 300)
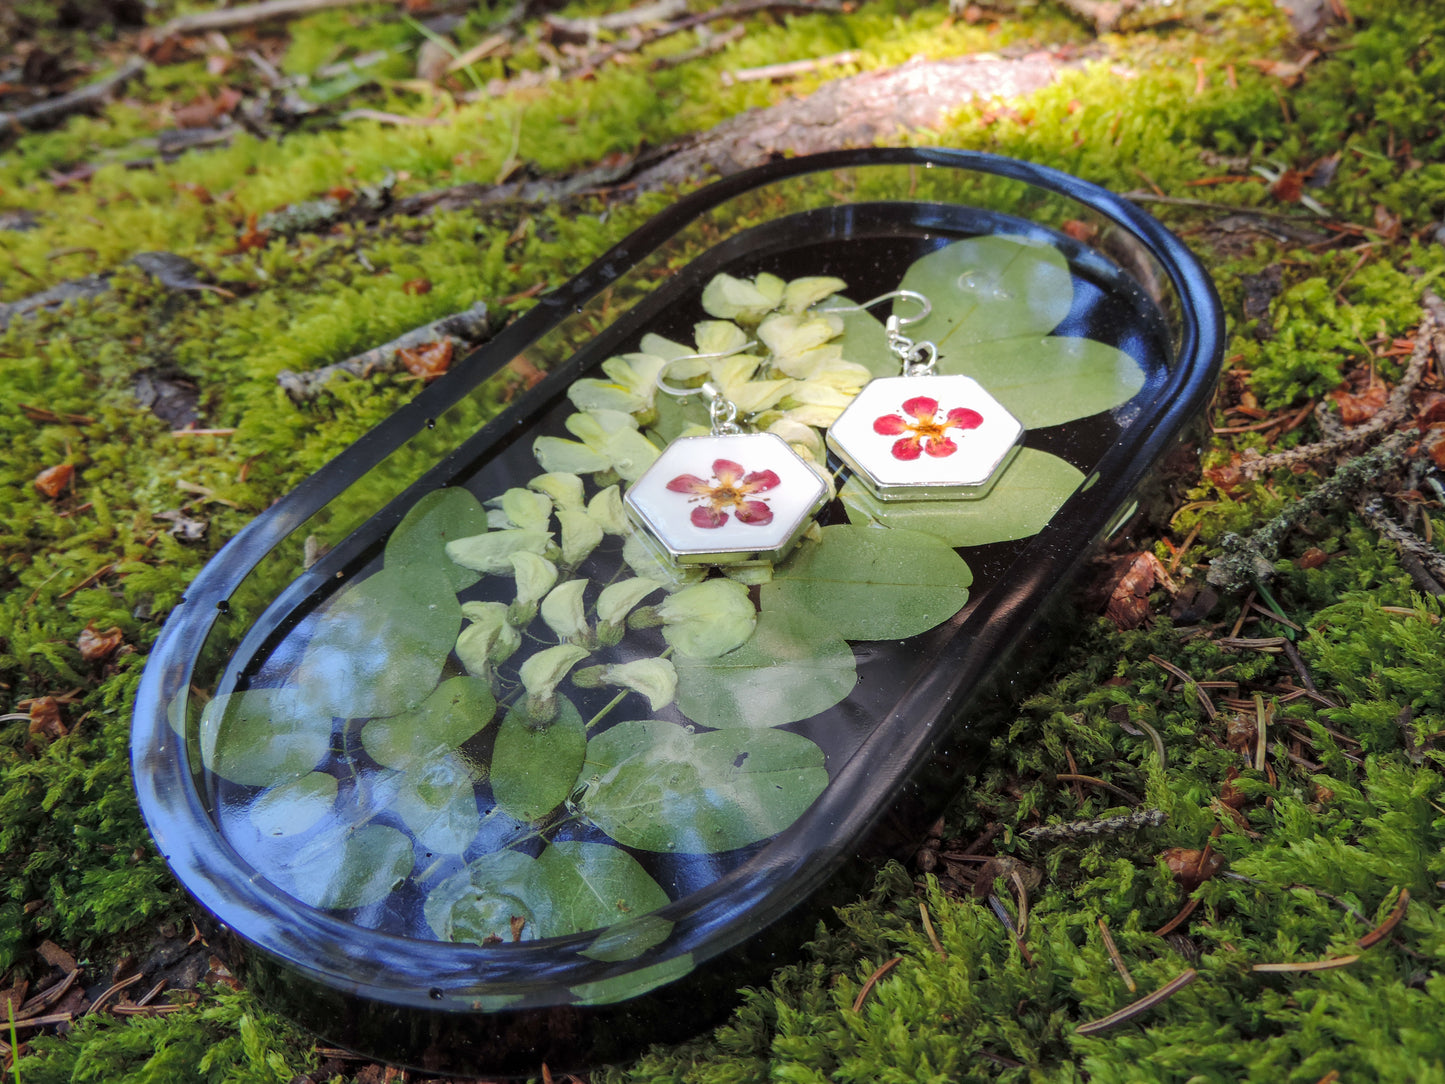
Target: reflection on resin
point(509, 719)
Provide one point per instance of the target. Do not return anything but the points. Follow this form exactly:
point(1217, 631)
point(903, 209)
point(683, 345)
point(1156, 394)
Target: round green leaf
point(861, 583)
point(292, 808)
point(1025, 498)
point(346, 868)
point(864, 340)
point(633, 983)
point(1049, 380)
point(629, 940)
point(457, 709)
point(533, 771)
point(660, 788)
point(985, 288)
point(421, 537)
point(437, 800)
point(480, 902)
point(792, 668)
point(264, 737)
point(590, 885)
point(379, 647)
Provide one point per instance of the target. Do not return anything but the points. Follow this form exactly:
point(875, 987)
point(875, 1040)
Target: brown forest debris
point(52, 111)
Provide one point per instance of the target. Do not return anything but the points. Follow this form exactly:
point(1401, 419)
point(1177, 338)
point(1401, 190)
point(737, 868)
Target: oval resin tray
point(491, 783)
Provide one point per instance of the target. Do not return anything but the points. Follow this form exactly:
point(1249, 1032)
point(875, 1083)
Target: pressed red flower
point(923, 431)
point(730, 487)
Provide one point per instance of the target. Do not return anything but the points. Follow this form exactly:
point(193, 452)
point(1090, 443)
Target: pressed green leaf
point(590, 885)
point(861, 583)
point(438, 518)
point(293, 807)
point(986, 288)
point(534, 770)
point(481, 901)
point(379, 648)
point(264, 737)
point(437, 800)
point(1024, 499)
point(1049, 380)
point(629, 940)
point(634, 983)
point(792, 668)
point(346, 868)
point(660, 788)
point(457, 709)
point(864, 340)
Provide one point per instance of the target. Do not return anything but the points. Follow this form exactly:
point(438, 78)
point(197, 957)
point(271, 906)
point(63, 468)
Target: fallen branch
point(1338, 437)
point(1250, 558)
point(463, 329)
point(81, 100)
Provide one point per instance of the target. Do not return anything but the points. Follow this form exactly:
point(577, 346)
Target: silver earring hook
point(918, 358)
point(722, 412)
point(904, 295)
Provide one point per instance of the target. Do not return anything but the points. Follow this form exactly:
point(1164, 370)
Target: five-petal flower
point(728, 488)
point(923, 431)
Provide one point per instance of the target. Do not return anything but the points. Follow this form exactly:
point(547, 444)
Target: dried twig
point(873, 981)
point(1098, 826)
point(54, 110)
point(659, 11)
point(463, 328)
point(789, 69)
point(1143, 1005)
point(928, 929)
point(1113, 951)
point(1204, 701)
point(1095, 781)
point(1425, 563)
point(202, 22)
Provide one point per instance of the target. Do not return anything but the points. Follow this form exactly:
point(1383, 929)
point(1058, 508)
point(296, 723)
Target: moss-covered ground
point(1317, 842)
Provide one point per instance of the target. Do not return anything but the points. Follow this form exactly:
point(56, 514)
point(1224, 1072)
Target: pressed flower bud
point(565, 489)
point(565, 614)
point(581, 534)
point(708, 619)
point(526, 509)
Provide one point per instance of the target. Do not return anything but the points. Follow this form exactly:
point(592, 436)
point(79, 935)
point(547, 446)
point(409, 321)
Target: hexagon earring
point(922, 435)
point(727, 497)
